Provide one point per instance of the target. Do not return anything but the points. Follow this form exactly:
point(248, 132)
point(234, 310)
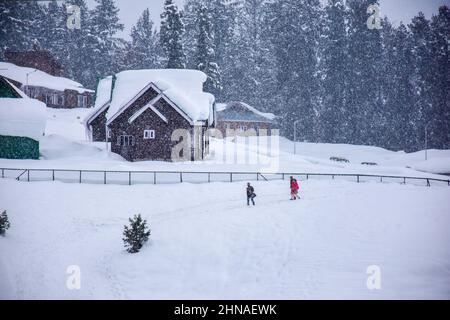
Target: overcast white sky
point(396, 10)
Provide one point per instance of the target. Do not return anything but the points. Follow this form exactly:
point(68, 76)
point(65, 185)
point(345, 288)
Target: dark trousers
point(250, 197)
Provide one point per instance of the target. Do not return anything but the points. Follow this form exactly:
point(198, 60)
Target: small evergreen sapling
point(4, 223)
point(136, 235)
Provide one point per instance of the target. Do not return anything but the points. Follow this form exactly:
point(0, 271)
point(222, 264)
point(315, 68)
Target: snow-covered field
point(206, 243)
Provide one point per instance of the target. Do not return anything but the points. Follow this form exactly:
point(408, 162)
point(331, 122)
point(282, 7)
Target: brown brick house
point(55, 92)
point(148, 106)
point(240, 116)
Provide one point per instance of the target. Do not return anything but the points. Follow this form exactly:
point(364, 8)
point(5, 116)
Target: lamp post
point(27, 80)
point(295, 135)
point(426, 141)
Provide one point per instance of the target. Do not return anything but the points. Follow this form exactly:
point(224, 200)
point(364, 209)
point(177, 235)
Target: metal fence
point(159, 177)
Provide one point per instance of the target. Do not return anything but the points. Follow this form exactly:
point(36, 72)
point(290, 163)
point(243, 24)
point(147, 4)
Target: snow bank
point(39, 78)
point(22, 117)
point(183, 87)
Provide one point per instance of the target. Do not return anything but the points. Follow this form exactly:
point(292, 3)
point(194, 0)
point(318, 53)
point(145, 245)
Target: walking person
point(250, 194)
point(294, 189)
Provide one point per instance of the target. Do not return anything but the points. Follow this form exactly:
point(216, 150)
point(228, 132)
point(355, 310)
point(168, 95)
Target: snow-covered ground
point(206, 243)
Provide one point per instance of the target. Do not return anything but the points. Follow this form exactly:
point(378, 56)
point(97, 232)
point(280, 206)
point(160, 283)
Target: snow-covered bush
point(339, 159)
point(136, 235)
point(369, 163)
point(4, 223)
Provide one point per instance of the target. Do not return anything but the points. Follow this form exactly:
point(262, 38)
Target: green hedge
point(18, 148)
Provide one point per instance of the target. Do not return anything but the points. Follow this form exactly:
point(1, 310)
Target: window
point(125, 140)
point(243, 128)
point(54, 99)
point(149, 134)
point(82, 101)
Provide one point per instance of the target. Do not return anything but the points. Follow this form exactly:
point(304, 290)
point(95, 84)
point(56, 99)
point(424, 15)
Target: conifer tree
point(171, 33)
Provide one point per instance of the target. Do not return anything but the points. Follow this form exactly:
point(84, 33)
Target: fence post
point(209, 176)
point(357, 178)
point(104, 177)
point(129, 178)
point(307, 176)
point(404, 180)
point(283, 175)
point(181, 176)
point(332, 177)
point(28, 175)
point(257, 176)
point(53, 175)
point(381, 179)
point(428, 183)
point(154, 177)
point(231, 176)
point(3, 173)
point(80, 177)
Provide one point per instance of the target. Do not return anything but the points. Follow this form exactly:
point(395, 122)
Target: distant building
point(35, 59)
point(146, 108)
point(22, 123)
point(55, 92)
point(95, 121)
point(240, 116)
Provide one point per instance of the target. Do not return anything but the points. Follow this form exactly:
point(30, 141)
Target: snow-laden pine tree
point(399, 111)
point(333, 66)
point(295, 32)
point(171, 33)
point(16, 25)
point(364, 103)
point(136, 234)
point(423, 73)
point(105, 24)
point(145, 49)
point(439, 120)
point(205, 55)
point(81, 47)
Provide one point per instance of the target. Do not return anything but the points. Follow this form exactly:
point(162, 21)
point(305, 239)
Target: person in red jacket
point(294, 189)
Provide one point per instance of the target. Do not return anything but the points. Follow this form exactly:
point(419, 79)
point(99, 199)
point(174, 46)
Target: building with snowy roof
point(148, 107)
point(22, 123)
point(239, 116)
point(55, 92)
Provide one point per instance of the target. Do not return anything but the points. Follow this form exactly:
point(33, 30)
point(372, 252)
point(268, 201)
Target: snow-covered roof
point(102, 97)
point(220, 107)
point(22, 117)
point(181, 86)
point(39, 78)
point(20, 92)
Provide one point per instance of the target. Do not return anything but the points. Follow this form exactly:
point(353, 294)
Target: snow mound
point(39, 78)
point(57, 147)
point(22, 117)
point(182, 87)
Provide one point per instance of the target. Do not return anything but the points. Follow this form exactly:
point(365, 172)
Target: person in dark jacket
point(250, 194)
point(294, 189)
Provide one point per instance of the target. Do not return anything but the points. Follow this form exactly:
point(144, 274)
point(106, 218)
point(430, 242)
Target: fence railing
point(158, 177)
